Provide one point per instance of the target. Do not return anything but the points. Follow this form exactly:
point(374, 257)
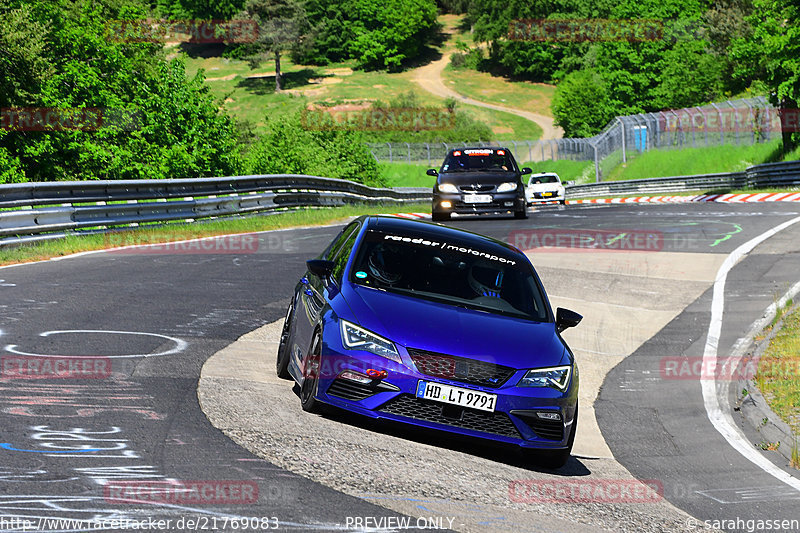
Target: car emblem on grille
point(462, 369)
point(493, 380)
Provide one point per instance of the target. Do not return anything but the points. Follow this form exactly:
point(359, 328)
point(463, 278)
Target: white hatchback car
point(545, 187)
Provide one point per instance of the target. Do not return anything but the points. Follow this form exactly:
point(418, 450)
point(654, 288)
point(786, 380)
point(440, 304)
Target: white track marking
point(180, 344)
point(715, 396)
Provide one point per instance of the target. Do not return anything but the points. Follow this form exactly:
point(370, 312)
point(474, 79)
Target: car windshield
point(544, 179)
point(454, 273)
point(478, 160)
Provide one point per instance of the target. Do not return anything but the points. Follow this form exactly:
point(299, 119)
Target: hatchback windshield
point(544, 179)
point(478, 159)
point(454, 273)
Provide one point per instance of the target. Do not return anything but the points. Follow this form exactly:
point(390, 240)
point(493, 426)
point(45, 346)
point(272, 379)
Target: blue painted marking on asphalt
point(7, 446)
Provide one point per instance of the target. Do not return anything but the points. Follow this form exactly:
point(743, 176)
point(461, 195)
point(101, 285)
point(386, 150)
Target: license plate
point(548, 194)
point(439, 392)
point(477, 198)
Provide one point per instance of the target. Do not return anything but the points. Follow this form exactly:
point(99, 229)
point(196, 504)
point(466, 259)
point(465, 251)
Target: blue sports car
point(423, 324)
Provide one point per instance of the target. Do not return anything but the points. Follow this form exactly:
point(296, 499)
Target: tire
point(521, 214)
point(438, 217)
point(282, 362)
point(562, 202)
point(311, 382)
point(555, 459)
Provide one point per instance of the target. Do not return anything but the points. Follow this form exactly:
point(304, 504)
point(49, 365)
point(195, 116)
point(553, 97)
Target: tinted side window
point(340, 261)
point(333, 247)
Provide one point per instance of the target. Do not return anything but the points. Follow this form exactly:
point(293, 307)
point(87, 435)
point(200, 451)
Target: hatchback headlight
point(556, 377)
point(357, 338)
point(447, 187)
point(506, 187)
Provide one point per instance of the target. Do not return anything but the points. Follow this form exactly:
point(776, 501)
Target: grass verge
point(778, 376)
point(151, 234)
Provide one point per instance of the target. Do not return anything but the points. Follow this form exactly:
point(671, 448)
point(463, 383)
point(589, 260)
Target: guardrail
point(758, 176)
point(39, 211)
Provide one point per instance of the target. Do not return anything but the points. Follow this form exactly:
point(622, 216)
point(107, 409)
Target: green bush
point(289, 148)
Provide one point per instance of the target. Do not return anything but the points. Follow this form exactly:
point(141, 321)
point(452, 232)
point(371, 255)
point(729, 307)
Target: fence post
point(721, 129)
point(428, 147)
point(622, 126)
point(752, 117)
point(596, 165)
point(408, 146)
point(390, 152)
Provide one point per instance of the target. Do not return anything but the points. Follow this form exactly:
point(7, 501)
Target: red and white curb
point(725, 198)
point(414, 216)
point(754, 197)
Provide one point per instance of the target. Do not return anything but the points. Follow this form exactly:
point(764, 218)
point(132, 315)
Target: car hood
point(469, 178)
point(442, 328)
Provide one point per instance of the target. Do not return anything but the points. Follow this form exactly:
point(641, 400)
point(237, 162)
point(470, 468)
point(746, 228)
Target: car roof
point(438, 231)
point(479, 148)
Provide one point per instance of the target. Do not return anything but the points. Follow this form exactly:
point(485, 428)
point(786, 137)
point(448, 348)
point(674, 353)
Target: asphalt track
point(67, 440)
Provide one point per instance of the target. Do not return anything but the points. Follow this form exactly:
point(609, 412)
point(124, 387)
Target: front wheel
point(438, 217)
point(562, 202)
point(521, 214)
point(311, 378)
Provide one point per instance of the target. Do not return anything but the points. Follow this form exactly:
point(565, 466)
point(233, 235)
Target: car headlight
point(556, 377)
point(506, 187)
point(357, 338)
point(447, 187)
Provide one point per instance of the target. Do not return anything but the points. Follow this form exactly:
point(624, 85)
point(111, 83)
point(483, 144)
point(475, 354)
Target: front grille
point(460, 368)
point(477, 188)
point(544, 429)
point(355, 391)
point(412, 407)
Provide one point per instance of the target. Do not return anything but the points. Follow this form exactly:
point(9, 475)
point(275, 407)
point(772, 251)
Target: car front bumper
point(514, 421)
point(501, 202)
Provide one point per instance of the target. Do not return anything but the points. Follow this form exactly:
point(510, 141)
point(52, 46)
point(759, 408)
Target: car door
point(312, 295)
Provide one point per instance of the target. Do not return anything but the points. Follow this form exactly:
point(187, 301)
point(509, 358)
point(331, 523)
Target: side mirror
point(320, 267)
point(432, 172)
point(567, 319)
point(569, 183)
point(526, 170)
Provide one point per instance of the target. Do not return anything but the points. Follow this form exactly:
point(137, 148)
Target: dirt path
point(429, 78)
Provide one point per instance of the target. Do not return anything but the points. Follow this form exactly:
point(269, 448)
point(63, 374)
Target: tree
point(157, 123)
point(771, 54)
point(581, 104)
point(379, 34)
point(282, 25)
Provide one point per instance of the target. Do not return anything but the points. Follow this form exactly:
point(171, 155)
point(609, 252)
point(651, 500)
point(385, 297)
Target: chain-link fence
point(745, 121)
